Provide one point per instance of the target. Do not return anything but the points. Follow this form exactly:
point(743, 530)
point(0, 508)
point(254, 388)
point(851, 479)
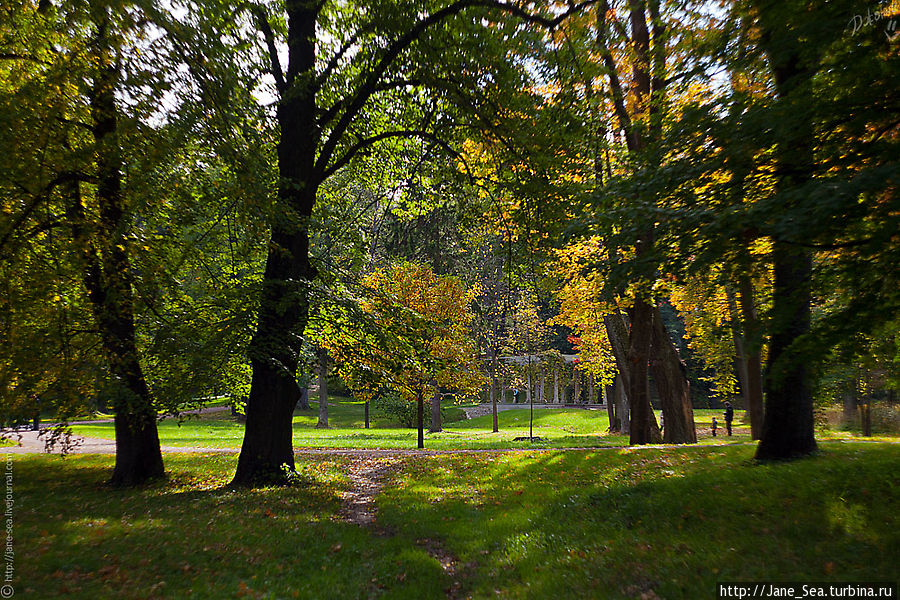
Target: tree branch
point(393, 51)
point(262, 21)
point(37, 199)
point(371, 141)
point(615, 84)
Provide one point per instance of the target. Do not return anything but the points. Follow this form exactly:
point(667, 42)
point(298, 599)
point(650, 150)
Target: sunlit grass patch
point(657, 522)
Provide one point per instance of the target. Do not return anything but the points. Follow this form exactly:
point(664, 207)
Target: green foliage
point(403, 411)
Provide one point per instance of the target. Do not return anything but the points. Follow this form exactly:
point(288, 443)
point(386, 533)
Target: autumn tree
point(418, 337)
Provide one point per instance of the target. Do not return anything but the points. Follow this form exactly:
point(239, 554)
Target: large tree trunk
point(107, 279)
point(323, 389)
point(436, 412)
point(788, 426)
point(267, 452)
point(670, 376)
point(644, 429)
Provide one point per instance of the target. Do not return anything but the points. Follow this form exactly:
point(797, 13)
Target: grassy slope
point(651, 522)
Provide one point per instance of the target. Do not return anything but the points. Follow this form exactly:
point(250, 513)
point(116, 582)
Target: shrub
point(404, 411)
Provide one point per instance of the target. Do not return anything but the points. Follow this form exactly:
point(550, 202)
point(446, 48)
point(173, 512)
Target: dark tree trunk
point(420, 419)
point(436, 412)
point(866, 417)
point(617, 332)
point(788, 428)
point(644, 429)
point(609, 395)
point(753, 356)
point(788, 425)
point(267, 453)
point(494, 416)
point(367, 413)
point(323, 389)
point(623, 411)
point(670, 376)
point(850, 405)
point(303, 401)
point(107, 279)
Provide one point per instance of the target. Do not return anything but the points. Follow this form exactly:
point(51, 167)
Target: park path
point(368, 474)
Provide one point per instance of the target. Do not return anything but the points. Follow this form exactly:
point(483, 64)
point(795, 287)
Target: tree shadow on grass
point(191, 535)
point(665, 523)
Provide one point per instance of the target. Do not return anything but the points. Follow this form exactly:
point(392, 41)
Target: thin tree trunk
point(737, 338)
point(367, 413)
point(608, 397)
point(420, 418)
point(323, 389)
point(850, 404)
point(623, 410)
point(436, 411)
point(670, 376)
point(107, 279)
point(866, 408)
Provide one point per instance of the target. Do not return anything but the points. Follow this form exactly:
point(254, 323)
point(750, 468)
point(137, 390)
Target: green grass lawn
point(557, 428)
point(635, 523)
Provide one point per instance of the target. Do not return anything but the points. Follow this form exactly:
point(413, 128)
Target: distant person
point(515, 396)
point(662, 422)
point(715, 425)
point(729, 416)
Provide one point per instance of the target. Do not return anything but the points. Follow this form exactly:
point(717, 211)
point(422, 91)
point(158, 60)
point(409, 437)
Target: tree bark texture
point(267, 452)
point(788, 428)
point(609, 396)
point(644, 429)
point(670, 375)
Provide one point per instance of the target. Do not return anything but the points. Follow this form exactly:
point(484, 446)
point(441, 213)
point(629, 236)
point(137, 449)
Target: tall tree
point(83, 49)
point(329, 112)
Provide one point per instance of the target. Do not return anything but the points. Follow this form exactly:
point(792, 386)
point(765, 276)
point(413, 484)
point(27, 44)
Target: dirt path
point(368, 475)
